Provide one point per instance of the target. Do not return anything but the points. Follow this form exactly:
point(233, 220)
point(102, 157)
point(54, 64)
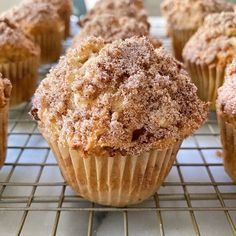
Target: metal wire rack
point(197, 198)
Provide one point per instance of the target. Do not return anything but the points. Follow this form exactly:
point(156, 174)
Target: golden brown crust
point(226, 101)
point(36, 18)
point(192, 11)
point(5, 91)
point(214, 42)
point(15, 45)
point(130, 8)
point(126, 97)
point(111, 28)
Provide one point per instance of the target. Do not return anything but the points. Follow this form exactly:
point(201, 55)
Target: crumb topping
point(121, 98)
point(193, 11)
point(214, 42)
point(130, 8)
point(111, 28)
point(227, 93)
point(34, 17)
point(14, 43)
point(5, 91)
point(62, 6)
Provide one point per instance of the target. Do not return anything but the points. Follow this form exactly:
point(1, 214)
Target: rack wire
point(197, 198)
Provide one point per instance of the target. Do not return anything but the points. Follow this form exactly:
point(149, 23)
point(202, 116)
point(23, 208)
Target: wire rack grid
point(197, 198)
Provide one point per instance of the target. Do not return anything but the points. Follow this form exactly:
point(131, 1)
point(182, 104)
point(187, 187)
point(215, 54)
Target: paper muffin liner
point(207, 78)
point(178, 39)
point(51, 45)
point(3, 132)
point(66, 19)
point(23, 76)
point(228, 140)
point(116, 181)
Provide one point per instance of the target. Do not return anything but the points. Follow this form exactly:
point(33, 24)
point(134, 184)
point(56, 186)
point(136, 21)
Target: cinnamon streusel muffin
point(5, 91)
point(226, 112)
point(115, 116)
point(19, 60)
point(130, 8)
point(111, 28)
point(43, 24)
point(64, 10)
point(184, 17)
point(209, 51)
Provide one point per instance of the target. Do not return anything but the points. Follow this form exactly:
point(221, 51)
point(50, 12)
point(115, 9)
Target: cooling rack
point(197, 198)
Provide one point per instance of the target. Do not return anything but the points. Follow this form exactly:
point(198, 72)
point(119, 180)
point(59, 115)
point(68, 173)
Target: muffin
point(5, 91)
point(115, 116)
point(209, 51)
point(111, 28)
point(193, 12)
point(19, 60)
point(41, 22)
point(130, 8)
point(64, 10)
point(226, 112)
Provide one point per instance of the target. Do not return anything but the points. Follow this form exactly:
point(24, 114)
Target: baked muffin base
point(178, 39)
point(51, 45)
point(66, 19)
point(3, 132)
point(207, 78)
point(228, 139)
point(116, 181)
point(23, 76)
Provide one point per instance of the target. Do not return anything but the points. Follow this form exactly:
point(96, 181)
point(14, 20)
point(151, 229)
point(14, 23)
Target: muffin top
point(5, 91)
point(15, 45)
point(226, 101)
point(192, 11)
point(214, 42)
point(35, 18)
point(130, 8)
point(62, 6)
point(111, 28)
point(122, 98)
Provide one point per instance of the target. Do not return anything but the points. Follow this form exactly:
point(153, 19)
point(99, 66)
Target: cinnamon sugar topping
point(111, 28)
point(35, 16)
point(214, 42)
point(130, 8)
point(120, 98)
point(14, 43)
point(62, 6)
point(192, 11)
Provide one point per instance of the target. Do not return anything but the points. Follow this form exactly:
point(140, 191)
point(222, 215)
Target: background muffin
point(64, 9)
point(111, 28)
point(184, 17)
point(115, 116)
point(43, 24)
point(226, 111)
point(130, 8)
point(5, 91)
point(19, 59)
point(209, 51)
